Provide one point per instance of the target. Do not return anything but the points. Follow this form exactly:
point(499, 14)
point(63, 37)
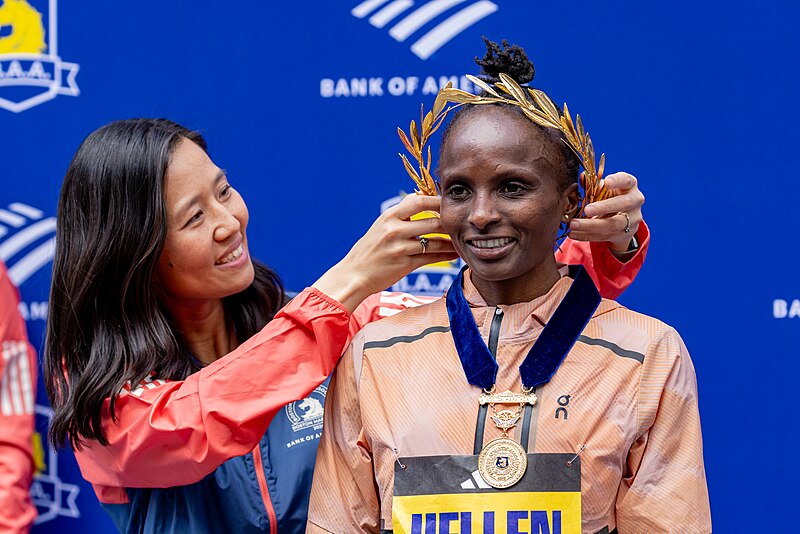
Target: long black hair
point(106, 327)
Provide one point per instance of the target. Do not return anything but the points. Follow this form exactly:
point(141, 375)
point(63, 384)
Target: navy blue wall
point(696, 99)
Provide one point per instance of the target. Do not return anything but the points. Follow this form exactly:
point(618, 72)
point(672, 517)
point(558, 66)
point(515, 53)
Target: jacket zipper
point(494, 331)
point(262, 485)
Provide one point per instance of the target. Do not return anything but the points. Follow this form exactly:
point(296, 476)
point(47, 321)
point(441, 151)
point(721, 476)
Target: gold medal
point(502, 463)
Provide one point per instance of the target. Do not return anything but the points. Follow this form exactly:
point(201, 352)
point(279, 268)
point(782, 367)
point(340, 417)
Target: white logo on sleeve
point(307, 413)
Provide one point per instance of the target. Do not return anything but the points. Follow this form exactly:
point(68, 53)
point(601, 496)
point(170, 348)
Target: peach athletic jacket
point(626, 391)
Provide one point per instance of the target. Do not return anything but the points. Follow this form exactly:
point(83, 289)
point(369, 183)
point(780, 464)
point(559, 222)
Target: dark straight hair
point(106, 326)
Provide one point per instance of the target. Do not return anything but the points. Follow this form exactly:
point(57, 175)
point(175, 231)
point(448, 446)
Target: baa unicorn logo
point(307, 413)
point(31, 72)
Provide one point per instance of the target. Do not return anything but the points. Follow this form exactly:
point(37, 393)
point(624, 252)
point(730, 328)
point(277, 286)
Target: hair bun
point(511, 60)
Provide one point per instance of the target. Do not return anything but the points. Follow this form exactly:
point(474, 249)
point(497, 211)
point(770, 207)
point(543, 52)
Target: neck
point(204, 328)
point(524, 288)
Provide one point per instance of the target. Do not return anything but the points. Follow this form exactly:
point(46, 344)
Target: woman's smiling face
point(503, 199)
point(205, 255)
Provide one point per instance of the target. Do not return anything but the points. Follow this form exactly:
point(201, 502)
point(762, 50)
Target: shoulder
point(410, 322)
point(636, 335)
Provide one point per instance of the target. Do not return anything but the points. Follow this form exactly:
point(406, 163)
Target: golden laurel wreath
point(541, 110)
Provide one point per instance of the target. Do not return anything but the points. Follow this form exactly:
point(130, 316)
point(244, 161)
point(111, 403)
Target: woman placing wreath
point(171, 355)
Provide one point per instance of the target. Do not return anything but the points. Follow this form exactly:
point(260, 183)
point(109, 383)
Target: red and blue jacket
point(222, 451)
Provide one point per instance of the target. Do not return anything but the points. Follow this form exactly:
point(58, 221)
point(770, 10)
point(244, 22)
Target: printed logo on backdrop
point(31, 71)
point(428, 26)
point(27, 244)
point(786, 309)
point(51, 496)
point(431, 280)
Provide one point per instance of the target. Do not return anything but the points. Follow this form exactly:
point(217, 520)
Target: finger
point(609, 229)
point(413, 204)
point(620, 181)
point(629, 202)
point(431, 225)
point(435, 246)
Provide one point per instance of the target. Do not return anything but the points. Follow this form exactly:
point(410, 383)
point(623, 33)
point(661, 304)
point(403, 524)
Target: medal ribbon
point(547, 353)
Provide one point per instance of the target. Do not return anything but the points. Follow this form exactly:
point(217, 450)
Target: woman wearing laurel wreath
point(521, 401)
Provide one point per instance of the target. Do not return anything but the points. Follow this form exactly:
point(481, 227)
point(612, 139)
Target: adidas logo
point(27, 240)
point(383, 12)
point(475, 482)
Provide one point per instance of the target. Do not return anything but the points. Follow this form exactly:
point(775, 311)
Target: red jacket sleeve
point(17, 397)
point(611, 276)
point(384, 304)
point(175, 433)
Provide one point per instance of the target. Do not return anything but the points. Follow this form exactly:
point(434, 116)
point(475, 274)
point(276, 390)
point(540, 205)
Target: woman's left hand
point(607, 222)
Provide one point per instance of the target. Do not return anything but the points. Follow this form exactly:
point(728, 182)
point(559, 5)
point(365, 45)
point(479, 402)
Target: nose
point(483, 212)
point(227, 224)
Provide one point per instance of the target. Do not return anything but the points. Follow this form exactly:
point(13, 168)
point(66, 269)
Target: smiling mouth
point(235, 255)
point(489, 243)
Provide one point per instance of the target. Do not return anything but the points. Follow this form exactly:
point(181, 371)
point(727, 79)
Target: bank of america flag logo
point(27, 240)
point(404, 23)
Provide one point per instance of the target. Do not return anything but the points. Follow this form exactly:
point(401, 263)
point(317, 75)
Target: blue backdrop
point(300, 101)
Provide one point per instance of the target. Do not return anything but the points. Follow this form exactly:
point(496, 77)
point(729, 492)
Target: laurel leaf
point(537, 117)
point(440, 119)
point(502, 87)
point(440, 101)
point(405, 140)
point(483, 85)
point(602, 167)
point(415, 137)
point(544, 102)
point(430, 186)
point(427, 122)
point(410, 170)
point(431, 159)
point(568, 120)
point(458, 96)
point(514, 88)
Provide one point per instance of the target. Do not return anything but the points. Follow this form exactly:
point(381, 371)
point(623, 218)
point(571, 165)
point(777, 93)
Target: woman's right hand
point(387, 252)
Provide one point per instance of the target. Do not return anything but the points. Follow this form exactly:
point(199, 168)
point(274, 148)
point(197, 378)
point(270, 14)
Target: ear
point(570, 201)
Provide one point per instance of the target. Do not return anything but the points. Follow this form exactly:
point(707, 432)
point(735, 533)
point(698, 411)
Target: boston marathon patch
point(436, 494)
point(307, 413)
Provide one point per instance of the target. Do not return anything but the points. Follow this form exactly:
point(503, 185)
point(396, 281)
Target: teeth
point(232, 256)
point(491, 243)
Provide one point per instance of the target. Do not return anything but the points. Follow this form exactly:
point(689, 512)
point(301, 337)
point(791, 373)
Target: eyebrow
point(180, 214)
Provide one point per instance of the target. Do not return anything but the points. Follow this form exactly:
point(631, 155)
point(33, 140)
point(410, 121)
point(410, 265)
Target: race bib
point(446, 495)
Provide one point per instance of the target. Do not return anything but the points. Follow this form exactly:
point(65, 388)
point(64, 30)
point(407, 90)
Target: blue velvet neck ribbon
point(546, 355)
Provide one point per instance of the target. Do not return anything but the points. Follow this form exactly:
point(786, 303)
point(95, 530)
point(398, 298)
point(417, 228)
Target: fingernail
point(575, 225)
